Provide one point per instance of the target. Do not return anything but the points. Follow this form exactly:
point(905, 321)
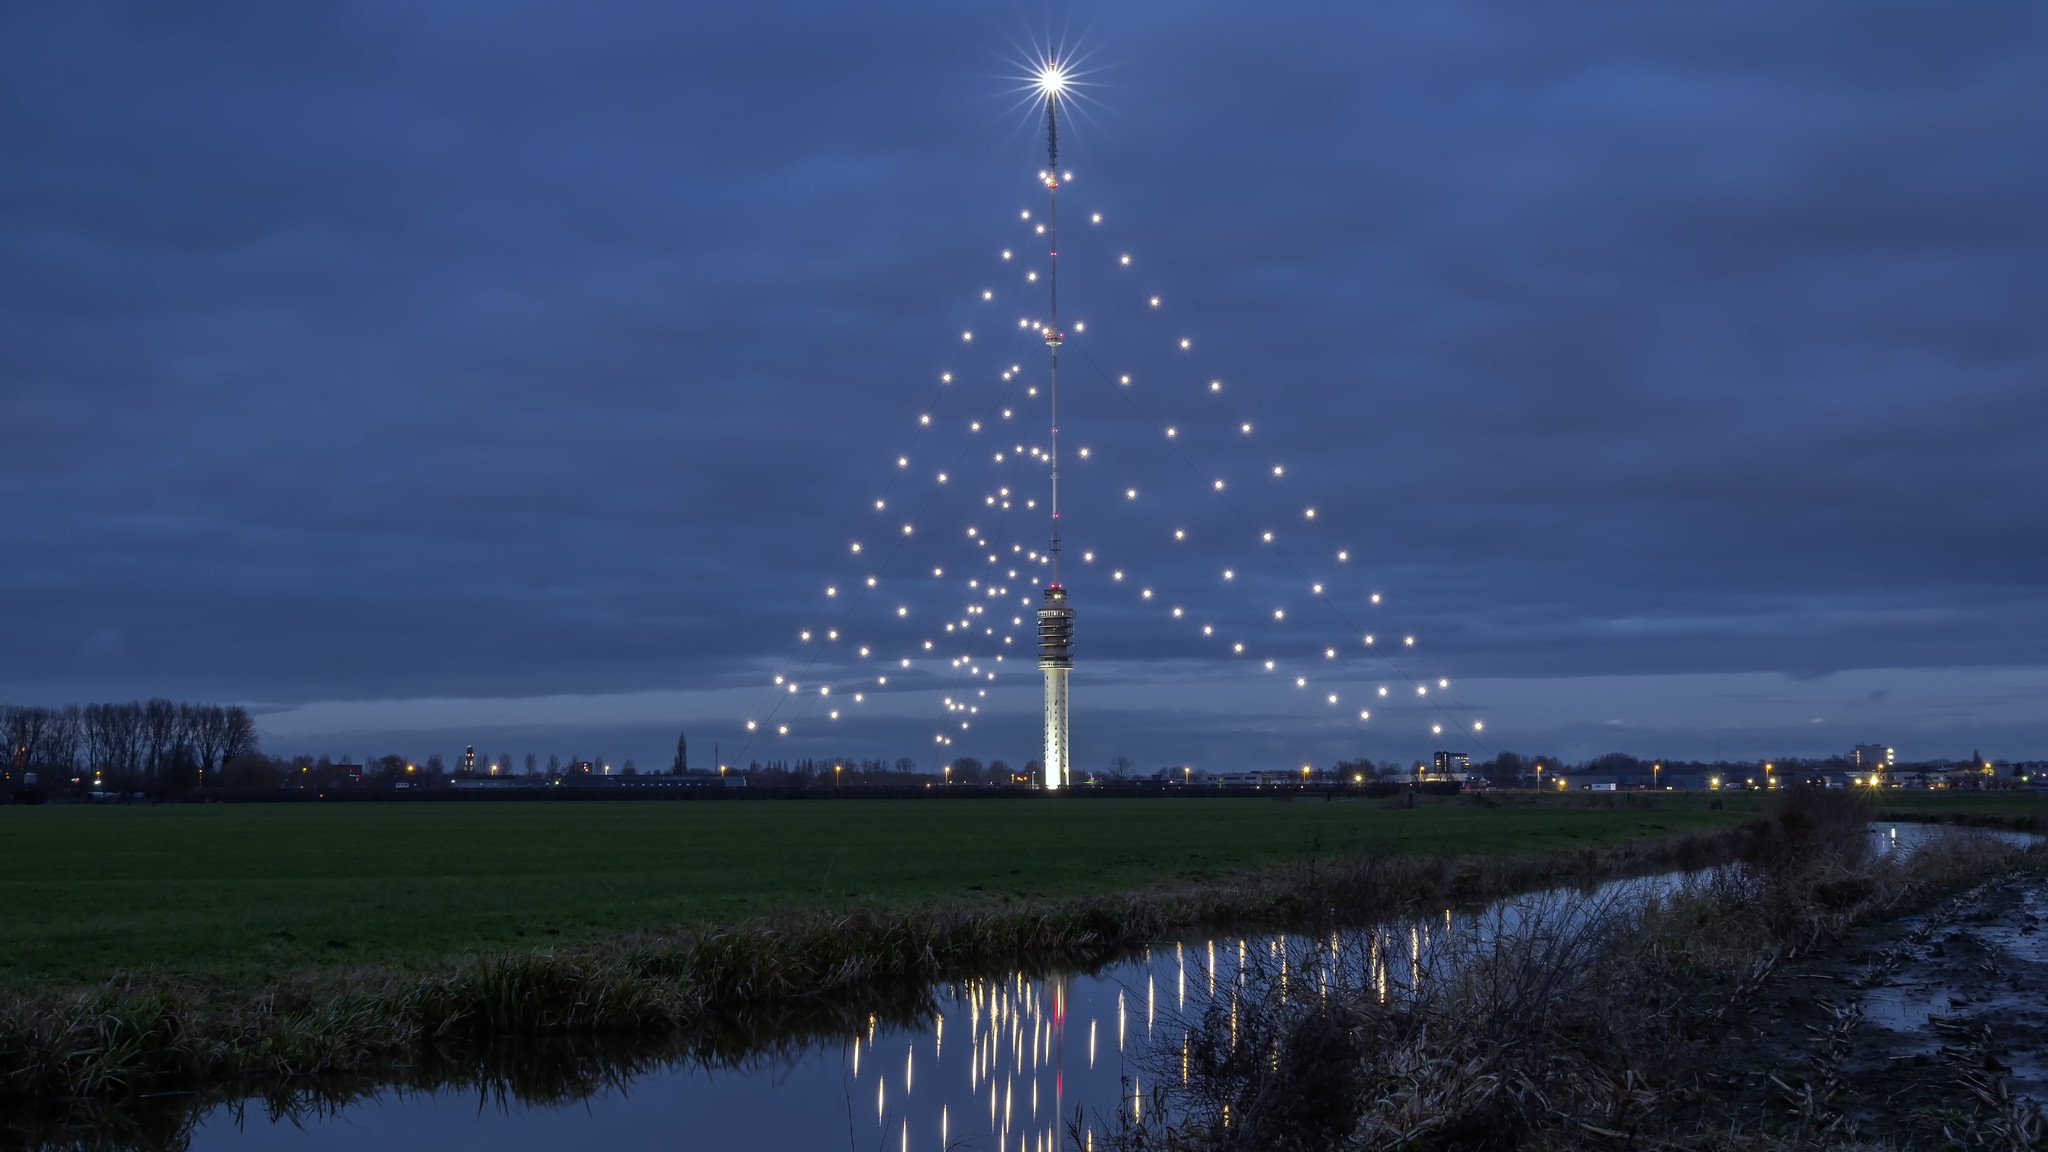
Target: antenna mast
point(1055, 618)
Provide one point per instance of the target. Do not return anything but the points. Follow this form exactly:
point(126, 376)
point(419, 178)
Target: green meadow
point(250, 892)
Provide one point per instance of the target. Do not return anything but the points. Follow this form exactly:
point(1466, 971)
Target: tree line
point(158, 747)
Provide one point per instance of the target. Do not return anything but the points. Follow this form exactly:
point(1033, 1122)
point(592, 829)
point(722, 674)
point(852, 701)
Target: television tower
point(1055, 618)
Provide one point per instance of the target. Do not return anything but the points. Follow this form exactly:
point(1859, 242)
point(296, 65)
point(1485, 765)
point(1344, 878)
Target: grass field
point(251, 891)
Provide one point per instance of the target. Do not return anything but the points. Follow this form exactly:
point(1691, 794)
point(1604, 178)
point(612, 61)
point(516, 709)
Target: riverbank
point(735, 987)
point(1705, 1017)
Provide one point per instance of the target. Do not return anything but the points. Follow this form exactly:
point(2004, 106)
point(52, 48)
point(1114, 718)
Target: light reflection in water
point(1012, 1071)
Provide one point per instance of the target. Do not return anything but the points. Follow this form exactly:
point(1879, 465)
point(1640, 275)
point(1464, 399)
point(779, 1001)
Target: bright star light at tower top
point(1051, 74)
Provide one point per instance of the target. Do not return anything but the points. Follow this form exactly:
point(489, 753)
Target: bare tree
point(206, 731)
point(241, 733)
point(113, 743)
point(160, 731)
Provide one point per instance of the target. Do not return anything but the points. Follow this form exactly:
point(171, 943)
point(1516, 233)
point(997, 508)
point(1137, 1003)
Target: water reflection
point(1021, 1063)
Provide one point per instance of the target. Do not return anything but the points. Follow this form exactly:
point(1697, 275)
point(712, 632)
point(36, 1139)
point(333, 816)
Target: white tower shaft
point(1055, 618)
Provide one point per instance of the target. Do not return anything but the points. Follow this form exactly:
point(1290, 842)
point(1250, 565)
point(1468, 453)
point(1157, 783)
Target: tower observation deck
point(1055, 659)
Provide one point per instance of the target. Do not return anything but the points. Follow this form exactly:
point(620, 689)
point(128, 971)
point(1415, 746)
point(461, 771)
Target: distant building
point(468, 761)
point(1451, 766)
point(1871, 757)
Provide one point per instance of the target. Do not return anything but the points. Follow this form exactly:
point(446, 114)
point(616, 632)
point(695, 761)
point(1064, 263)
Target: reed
point(1566, 1023)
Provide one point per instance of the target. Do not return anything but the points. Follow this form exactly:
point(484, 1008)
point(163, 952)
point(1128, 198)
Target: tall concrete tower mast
point(1055, 618)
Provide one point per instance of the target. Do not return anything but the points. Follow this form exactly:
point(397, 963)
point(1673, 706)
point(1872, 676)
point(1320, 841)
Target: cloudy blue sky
point(521, 374)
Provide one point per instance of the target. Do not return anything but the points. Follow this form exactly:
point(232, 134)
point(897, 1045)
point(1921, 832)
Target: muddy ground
point(1929, 1031)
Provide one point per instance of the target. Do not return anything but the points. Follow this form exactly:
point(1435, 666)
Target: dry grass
point(1560, 1023)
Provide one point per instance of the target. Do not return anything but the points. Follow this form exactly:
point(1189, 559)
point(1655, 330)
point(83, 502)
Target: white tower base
point(1056, 763)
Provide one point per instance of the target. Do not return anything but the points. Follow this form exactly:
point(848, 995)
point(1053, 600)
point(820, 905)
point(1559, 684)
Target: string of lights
point(971, 666)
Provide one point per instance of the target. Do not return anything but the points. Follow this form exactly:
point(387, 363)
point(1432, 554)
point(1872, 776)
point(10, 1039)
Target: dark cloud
point(381, 351)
